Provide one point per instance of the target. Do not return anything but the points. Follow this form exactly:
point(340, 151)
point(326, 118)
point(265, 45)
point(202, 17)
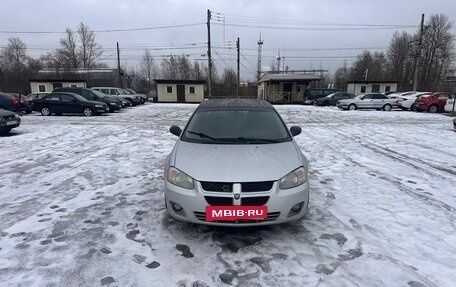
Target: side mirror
point(175, 130)
point(295, 130)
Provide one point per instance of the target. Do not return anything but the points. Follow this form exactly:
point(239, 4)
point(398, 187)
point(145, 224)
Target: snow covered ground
point(81, 204)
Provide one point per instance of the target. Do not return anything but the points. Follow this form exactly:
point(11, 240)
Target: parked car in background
point(33, 96)
point(133, 92)
point(450, 104)
point(312, 94)
point(69, 103)
point(240, 135)
point(93, 95)
point(408, 100)
point(8, 121)
point(117, 92)
point(368, 101)
point(432, 103)
point(399, 95)
point(454, 124)
point(26, 103)
point(9, 102)
point(332, 99)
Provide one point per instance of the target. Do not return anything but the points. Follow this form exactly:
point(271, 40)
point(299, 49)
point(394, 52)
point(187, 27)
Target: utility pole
point(278, 63)
point(118, 66)
point(260, 48)
point(418, 56)
point(238, 47)
point(209, 64)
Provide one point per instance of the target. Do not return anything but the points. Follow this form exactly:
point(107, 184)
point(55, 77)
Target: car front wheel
point(352, 107)
point(45, 111)
point(387, 107)
point(88, 112)
point(433, 109)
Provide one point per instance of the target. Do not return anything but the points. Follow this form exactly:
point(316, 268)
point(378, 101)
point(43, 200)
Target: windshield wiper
point(248, 139)
point(203, 135)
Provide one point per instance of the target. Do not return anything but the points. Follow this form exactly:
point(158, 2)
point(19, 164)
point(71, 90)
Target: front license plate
point(11, 123)
point(231, 213)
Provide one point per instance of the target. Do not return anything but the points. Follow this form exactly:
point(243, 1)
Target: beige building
point(48, 85)
point(362, 87)
point(180, 91)
point(284, 88)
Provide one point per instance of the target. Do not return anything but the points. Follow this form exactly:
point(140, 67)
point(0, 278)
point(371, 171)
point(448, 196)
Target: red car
point(432, 103)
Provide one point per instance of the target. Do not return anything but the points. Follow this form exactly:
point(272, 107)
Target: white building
point(180, 91)
point(48, 85)
point(362, 87)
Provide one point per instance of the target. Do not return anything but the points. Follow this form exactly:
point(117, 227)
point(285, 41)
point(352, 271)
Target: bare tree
point(400, 59)
point(89, 51)
point(169, 68)
point(437, 51)
point(184, 67)
point(68, 51)
point(147, 66)
point(15, 62)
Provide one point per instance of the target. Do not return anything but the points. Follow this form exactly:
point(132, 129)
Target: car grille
point(256, 186)
point(201, 216)
point(8, 117)
point(227, 187)
point(215, 200)
point(217, 186)
point(256, 201)
point(246, 201)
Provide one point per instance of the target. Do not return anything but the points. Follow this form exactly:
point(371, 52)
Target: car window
point(67, 98)
point(368, 97)
point(233, 125)
point(444, 96)
point(379, 97)
point(88, 95)
point(113, 92)
point(54, 97)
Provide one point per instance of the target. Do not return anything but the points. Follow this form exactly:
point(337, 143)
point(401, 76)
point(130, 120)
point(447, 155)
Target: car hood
point(95, 103)
point(237, 163)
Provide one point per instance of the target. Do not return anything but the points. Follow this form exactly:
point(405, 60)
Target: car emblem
point(237, 196)
point(226, 188)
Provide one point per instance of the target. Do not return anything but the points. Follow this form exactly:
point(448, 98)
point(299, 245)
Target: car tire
point(387, 107)
point(45, 111)
point(88, 112)
point(5, 132)
point(352, 107)
point(433, 109)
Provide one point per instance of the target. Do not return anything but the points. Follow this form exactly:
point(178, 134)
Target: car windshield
point(79, 97)
point(99, 94)
point(236, 126)
point(359, 97)
point(331, 95)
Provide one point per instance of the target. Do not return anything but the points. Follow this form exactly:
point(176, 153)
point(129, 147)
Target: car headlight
point(98, 106)
point(294, 178)
point(179, 178)
point(112, 104)
point(16, 115)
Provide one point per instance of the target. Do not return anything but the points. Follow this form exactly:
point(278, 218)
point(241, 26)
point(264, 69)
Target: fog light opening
point(176, 206)
point(297, 207)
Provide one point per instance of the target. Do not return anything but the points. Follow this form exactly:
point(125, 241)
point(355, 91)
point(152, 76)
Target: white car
point(408, 100)
point(449, 106)
point(236, 163)
point(399, 95)
point(368, 101)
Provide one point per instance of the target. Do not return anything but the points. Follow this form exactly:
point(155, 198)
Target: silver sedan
point(369, 101)
point(236, 164)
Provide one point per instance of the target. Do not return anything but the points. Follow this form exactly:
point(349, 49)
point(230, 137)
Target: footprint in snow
point(185, 250)
point(107, 280)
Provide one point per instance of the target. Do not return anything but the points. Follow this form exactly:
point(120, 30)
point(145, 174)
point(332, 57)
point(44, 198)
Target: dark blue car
point(8, 102)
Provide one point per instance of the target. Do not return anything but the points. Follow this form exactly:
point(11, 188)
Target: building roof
point(289, 77)
point(57, 80)
point(371, 82)
point(235, 103)
point(76, 70)
point(167, 81)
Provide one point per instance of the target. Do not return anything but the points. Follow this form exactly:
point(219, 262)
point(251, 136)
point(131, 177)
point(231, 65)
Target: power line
point(107, 30)
point(314, 28)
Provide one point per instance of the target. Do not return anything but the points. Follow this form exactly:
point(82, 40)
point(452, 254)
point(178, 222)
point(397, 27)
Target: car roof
point(235, 103)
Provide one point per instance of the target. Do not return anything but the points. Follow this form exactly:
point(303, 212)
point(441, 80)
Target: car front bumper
point(279, 204)
point(9, 124)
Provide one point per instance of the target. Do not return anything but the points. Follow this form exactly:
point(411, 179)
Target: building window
point(73, 86)
point(387, 88)
point(363, 89)
point(41, 88)
point(191, 90)
point(169, 89)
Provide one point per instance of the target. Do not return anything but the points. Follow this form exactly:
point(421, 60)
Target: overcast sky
point(295, 43)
